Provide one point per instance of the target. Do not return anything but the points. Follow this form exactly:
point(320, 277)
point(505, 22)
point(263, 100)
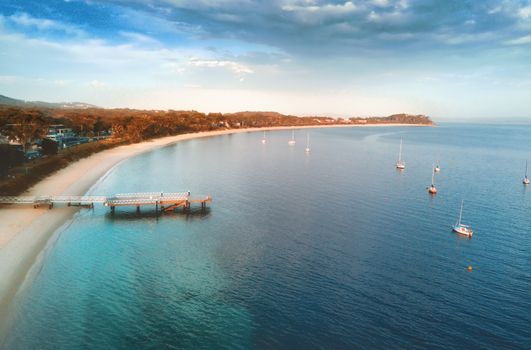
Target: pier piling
point(167, 201)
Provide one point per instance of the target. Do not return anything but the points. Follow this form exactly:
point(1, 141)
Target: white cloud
point(61, 82)
point(43, 24)
point(386, 17)
point(524, 12)
point(139, 38)
point(312, 6)
point(494, 10)
point(96, 84)
point(520, 41)
point(235, 67)
point(381, 3)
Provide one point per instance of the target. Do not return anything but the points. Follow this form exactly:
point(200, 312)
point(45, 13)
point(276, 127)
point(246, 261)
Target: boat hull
point(463, 231)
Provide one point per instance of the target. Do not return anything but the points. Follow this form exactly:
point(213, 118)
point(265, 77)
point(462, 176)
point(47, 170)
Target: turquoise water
point(332, 249)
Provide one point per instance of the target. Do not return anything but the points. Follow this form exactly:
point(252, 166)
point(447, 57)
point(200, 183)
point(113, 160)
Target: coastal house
point(58, 132)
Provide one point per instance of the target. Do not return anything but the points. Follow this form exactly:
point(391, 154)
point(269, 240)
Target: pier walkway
point(161, 200)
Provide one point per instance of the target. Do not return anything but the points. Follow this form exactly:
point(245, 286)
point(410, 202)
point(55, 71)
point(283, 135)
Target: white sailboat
point(264, 139)
point(461, 228)
point(525, 181)
point(400, 164)
point(307, 150)
point(292, 141)
point(432, 189)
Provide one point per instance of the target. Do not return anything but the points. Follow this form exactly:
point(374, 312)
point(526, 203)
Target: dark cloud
point(315, 27)
point(344, 27)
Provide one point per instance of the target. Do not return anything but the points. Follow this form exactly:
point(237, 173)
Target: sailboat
point(432, 189)
point(292, 141)
point(264, 139)
point(525, 181)
point(307, 150)
point(461, 228)
point(400, 164)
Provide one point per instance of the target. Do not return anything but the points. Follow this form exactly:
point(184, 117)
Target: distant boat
point(461, 228)
point(525, 181)
point(437, 168)
point(307, 143)
point(400, 164)
point(264, 139)
point(292, 141)
point(432, 189)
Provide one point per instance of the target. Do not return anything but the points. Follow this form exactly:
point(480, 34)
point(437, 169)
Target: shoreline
point(25, 231)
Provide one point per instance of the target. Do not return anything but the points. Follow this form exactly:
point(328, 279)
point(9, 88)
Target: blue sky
point(452, 59)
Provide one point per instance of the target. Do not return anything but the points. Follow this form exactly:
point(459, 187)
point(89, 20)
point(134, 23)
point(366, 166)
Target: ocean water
point(333, 249)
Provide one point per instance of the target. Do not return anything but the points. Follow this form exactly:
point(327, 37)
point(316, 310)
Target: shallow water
point(332, 249)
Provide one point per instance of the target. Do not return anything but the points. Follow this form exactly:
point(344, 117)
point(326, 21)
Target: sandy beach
point(25, 231)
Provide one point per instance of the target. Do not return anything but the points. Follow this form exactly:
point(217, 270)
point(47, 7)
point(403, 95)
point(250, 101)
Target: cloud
point(139, 38)
point(235, 67)
point(61, 82)
point(298, 48)
point(314, 7)
point(43, 24)
point(339, 27)
point(520, 41)
point(96, 84)
point(524, 12)
point(319, 28)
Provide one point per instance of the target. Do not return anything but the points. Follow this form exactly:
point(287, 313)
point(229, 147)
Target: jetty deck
point(163, 201)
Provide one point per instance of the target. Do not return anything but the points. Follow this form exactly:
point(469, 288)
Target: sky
point(450, 59)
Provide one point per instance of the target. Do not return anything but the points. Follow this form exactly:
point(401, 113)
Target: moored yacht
point(432, 189)
point(400, 164)
point(292, 141)
point(525, 181)
point(461, 228)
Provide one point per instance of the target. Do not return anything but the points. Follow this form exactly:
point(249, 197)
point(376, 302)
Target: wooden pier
point(165, 202)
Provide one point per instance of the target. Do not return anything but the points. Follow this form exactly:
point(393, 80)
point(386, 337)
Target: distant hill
point(401, 118)
point(4, 100)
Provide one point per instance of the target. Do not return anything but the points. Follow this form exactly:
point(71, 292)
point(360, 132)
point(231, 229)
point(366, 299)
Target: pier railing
point(165, 200)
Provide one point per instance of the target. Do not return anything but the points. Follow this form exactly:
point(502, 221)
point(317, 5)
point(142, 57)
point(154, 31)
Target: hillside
point(8, 101)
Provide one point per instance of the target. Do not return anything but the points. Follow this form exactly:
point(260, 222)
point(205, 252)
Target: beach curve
point(25, 231)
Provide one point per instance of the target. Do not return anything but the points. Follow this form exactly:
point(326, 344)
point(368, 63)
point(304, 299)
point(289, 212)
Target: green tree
point(25, 127)
point(10, 156)
point(49, 147)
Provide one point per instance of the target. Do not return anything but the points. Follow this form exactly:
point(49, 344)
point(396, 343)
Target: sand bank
point(24, 231)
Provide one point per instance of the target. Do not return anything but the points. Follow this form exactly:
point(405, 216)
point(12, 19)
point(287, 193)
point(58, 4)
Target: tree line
point(26, 125)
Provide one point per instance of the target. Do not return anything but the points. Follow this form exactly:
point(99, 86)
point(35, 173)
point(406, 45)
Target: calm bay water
point(333, 249)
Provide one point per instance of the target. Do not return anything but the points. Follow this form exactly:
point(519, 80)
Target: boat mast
point(307, 140)
point(400, 152)
point(526, 169)
point(461, 212)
